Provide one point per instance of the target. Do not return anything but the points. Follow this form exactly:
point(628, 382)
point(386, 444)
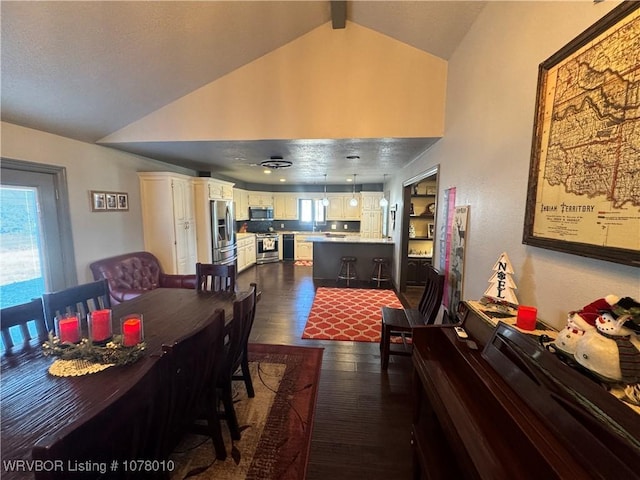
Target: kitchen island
point(328, 249)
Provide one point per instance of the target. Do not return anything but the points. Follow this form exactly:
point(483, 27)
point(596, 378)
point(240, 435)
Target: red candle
point(100, 325)
point(526, 319)
point(69, 330)
point(131, 332)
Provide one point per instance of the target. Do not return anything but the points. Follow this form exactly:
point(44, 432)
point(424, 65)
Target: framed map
point(584, 180)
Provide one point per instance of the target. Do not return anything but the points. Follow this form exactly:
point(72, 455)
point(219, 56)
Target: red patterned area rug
point(276, 424)
point(348, 314)
point(303, 263)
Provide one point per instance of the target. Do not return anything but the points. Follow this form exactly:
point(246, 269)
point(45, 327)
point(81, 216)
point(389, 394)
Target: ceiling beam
point(338, 14)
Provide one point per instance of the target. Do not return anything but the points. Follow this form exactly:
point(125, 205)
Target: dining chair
point(402, 321)
point(22, 320)
point(215, 278)
point(195, 361)
point(237, 357)
point(82, 299)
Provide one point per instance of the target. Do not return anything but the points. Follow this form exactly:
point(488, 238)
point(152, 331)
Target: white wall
point(89, 167)
point(486, 148)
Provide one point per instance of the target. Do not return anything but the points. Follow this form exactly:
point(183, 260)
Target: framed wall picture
point(109, 201)
point(98, 201)
point(112, 201)
point(123, 201)
point(430, 229)
point(582, 196)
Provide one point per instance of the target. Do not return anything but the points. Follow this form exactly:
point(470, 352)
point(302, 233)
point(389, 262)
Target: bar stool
point(347, 269)
point(380, 271)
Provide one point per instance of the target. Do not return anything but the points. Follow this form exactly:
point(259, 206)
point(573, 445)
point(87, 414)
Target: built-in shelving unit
point(422, 218)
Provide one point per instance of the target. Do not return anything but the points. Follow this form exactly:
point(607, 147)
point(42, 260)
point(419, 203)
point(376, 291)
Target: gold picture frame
point(581, 198)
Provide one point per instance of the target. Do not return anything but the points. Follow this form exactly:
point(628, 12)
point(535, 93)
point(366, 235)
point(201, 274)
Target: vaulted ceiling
point(85, 70)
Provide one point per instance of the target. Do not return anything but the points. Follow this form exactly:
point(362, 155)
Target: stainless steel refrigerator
point(223, 235)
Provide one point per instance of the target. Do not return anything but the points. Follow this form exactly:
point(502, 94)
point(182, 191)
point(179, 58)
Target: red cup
point(526, 319)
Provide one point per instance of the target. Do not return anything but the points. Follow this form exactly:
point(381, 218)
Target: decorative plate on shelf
point(431, 208)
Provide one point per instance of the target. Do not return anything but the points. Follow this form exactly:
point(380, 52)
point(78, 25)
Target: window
point(312, 211)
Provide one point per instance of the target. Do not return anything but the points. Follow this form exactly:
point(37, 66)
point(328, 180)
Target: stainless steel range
point(266, 248)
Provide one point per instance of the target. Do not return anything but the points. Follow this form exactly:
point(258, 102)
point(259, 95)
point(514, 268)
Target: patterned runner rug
point(276, 424)
point(348, 314)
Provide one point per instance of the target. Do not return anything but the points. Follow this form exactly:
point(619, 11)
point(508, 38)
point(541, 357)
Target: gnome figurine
point(613, 351)
point(582, 322)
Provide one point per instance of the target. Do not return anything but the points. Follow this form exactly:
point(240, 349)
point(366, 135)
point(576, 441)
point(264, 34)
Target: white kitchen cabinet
point(215, 189)
point(371, 224)
point(370, 200)
point(285, 206)
point(246, 252)
point(303, 249)
point(168, 220)
point(371, 215)
point(260, 199)
point(340, 207)
point(241, 200)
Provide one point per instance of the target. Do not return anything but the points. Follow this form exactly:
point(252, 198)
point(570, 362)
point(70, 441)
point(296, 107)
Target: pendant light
point(325, 200)
point(354, 201)
point(383, 201)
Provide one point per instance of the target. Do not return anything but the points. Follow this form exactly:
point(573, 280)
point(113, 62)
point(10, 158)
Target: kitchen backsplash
point(296, 226)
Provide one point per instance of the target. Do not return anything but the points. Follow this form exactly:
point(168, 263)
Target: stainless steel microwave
point(260, 213)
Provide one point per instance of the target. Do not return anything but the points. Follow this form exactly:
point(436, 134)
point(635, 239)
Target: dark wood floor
point(363, 415)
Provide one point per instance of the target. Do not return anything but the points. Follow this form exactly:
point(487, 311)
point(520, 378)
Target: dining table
point(35, 404)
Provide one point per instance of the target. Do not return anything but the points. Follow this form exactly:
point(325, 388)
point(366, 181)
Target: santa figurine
point(581, 322)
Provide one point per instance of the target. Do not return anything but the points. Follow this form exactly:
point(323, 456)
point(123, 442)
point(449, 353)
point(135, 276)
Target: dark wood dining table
point(35, 403)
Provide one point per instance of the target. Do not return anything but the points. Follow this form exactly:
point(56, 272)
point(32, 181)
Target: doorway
point(36, 248)
point(419, 222)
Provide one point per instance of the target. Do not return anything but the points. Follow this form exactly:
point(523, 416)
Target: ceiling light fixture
point(353, 157)
point(325, 200)
point(354, 201)
point(276, 162)
point(383, 201)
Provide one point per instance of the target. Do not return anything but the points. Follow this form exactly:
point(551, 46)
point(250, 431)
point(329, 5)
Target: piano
point(499, 405)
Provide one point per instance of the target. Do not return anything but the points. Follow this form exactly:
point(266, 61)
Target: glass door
point(33, 255)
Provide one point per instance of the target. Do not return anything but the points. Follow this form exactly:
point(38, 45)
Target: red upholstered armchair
point(131, 274)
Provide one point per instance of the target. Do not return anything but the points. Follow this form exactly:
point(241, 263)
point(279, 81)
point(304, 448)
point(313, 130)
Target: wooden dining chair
point(215, 278)
point(82, 299)
point(21, 323)
point(237, 357)
point(195, 362)
point(401, 321)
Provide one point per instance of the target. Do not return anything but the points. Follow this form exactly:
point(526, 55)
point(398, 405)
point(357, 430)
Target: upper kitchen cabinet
point(285, 206)
point(370, 201)
point(260, 199)
point(241, 200)
point(168, 220)
point(340, 207)
point(215, 189)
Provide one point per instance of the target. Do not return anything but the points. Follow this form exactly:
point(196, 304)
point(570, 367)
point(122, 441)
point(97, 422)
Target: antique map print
point(588, 188)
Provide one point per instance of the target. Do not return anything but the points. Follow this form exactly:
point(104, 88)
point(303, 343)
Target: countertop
point(346, 239)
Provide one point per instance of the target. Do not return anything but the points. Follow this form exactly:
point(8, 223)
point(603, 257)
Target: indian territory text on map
point(589, 171)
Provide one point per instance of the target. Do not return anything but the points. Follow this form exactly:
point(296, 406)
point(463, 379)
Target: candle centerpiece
point(102, 349)
point(132, 329)
point(67, 328)
point(99, 324)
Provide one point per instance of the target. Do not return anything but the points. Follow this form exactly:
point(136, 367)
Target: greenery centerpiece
point(113, 353)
